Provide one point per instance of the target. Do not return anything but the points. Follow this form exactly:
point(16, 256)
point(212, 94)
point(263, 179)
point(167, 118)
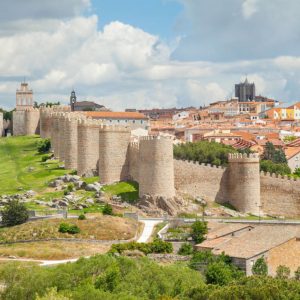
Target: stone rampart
point(32, 121)
point(243, 183)
point(55, 131)
point(280, 195)
point(203, 180)
point(156, 167)
point(134, 149)
point(71, 142)
point(88, 147)
point(19, 123)
point(45, 122)
point(114, 153)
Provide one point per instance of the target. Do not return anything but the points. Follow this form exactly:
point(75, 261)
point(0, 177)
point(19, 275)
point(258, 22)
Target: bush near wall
point(157, 246)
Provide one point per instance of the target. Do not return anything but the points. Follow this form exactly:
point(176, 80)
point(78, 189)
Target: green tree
point(199, 229)
point(218, 273)
point(269, 151)
point(277, 168)
point(14, 213)
point(260, 267)
point(204, 152)
point(283, 272)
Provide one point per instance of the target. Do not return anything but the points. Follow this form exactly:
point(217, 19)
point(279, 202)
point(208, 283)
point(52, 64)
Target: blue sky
point(149, 53)
point(158, 17)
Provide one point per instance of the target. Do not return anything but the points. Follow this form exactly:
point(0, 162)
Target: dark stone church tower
point(73, 100)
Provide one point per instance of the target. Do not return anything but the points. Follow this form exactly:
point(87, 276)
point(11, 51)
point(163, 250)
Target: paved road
point(148, 229)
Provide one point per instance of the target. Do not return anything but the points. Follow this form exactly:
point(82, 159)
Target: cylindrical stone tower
point(88, 148)
point(71, 141)
point(113, 153)
point(45, 123)
point(32, 119)
point(156, 174)
point(61, 137)
point(55, 134)
point(244, 182)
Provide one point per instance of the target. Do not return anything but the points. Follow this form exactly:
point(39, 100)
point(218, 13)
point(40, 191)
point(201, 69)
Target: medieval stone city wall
point(71, 140)
point(134, 152)
point(156, 167)
point(201, 180)
point(88, 148)
point(19, 123)
point(243, 185)
point(91, 148)
point(1, 124)
point(278, 195)
point(114, 154)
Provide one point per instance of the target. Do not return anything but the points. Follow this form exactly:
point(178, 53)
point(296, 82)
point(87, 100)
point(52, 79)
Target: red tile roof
point(115, 115)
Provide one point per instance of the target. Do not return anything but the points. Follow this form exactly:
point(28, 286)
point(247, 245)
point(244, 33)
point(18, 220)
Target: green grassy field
point(21, 166)
point(128, 191)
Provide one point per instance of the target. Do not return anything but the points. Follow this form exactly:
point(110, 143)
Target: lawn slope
point(21, 166)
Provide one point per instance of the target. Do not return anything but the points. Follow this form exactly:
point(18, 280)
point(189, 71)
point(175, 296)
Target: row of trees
point(204, 152)
point(273, 160)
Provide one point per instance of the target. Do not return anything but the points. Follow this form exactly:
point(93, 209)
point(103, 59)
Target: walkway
point(148, 230)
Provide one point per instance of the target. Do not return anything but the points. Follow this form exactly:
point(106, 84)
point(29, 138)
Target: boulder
point(89, 201)
point(62, 203)
point(92, 188)
point(56, 183)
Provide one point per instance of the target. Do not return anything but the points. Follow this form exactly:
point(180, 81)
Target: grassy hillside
point(99, 228)
point(52, 250)
point(21, 166)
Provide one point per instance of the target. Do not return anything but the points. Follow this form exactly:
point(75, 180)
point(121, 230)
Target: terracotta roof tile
point(115, 115)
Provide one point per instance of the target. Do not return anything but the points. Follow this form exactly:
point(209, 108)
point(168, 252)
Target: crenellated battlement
point(243, 158)
point(278, 176)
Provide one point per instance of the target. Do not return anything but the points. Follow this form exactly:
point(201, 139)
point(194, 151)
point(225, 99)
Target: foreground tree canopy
point(110, 277)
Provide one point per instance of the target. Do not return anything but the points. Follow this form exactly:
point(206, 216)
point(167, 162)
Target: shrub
point(45, 158)
point(107, 210)
point(82, 217)
point(199, 229)
point(44, 146)
point(283, 272)
point(73, 229)
point(63, 227)
point(14, 213)
point(68, 228)
point(260, 267)
point(157, 246)
point(218, 273)
point(186, 249)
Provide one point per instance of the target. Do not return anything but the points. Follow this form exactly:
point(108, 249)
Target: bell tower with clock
point(73, 100)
